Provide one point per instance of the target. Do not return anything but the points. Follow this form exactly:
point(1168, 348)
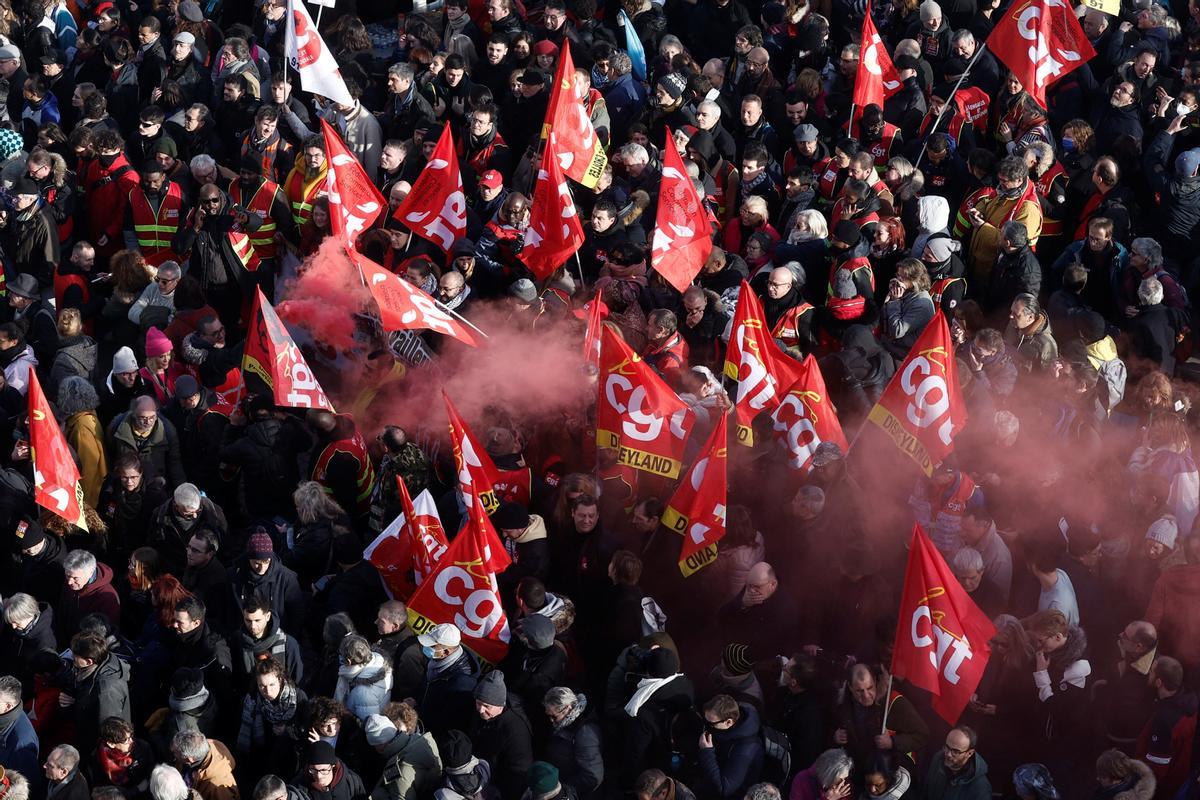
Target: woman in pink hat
point(160, 371)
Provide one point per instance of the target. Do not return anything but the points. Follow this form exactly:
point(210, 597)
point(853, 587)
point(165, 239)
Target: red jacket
point(1175, 611)
point(106, 194)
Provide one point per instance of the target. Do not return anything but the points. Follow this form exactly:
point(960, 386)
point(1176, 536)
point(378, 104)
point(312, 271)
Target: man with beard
point(666, 350)
point(484, 148)
point(306, 182)
point(141, 431)
point(961, 772)
point(787, 315)
point(263, 197)
point(216, 239)
point(259, 638)
point(264, 143)
point(123, 383)
point(454, 293)
point(154, 214)
point(183, 69)
point(879, 138)
point(1015, 201)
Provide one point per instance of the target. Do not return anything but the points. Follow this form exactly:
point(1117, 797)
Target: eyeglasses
point(210, 201)
point(165, 281)
point(321, 770)
point(955, 751)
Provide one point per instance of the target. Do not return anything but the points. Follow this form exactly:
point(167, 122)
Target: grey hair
point(203, 161)
point(76, 395)
point(404, 71)
point(962, 36)
point(79, 561)
point(1029, 303)
point(171, 268)
point(817, 224)
point(166, 783)
point(268, 785)
point(312, 503)
point(1015, 232)
point(634, 152)
point(1007, 423)
point(560, 697)
point(10, 688)
point(832, 766)
point(67, 756)
point(1150, 292)
point(20, 607)
point(355, 649)
point(620, 63)
point(205, 112)
point(190, 744)
point(709, 105)
point(763, 791)
point(1149, 248)
point(670, 39)
point(187, 495)
point(967, 560)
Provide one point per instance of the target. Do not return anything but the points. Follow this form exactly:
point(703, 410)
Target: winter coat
point(267, 452)
point(19, 746)
point(347, 785)
point(985, 239)
point(1174, 610)
point(213, 779)
point(76, 356)
point(170, 539)
point(1180, 194)
point(1061, 690)
point(531, 673)
point(904, 320)
point(247, 651)
point(159, 452)
point(412, 768)
point(16, 372)
point(1141, 785)
point(575, 750)
point(734, 762)
point(129, 514)
point(1015, 273)
point(1154, 332)
point(203, 649)
point(971, 783)
point(1035, 345)
point(446, 699)
point(85, 434)
point(358, 592)
point(506, 743)
point(42, 575)
point(530, 554)
point(910, 733)
point(103, 694)
point(97, 597)
point(20, 646)
point(279, 585)
point(365, 690)
point(647, 734)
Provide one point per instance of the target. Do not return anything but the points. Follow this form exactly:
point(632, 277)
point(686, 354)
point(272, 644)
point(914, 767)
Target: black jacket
point(278, 585)
point(506, 743)
point(647, 735)
point(1014, 274)
point(268, 452)
point(1153, 332)
point(20, 646)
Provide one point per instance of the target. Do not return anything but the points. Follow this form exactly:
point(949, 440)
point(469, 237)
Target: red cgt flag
point(408, 549)
point(805, 418)
point(554, 232)
point(354, 202)
point(273, 356)
point(463, 590)
point(682, 236)
point(403, 306)
point(697, 509)
point(477, 475)
point(942, 641)
point(753, 359)
point(55, 477)
point(597, 311)
point(436, 208)
point(1040, 41)
point(922, 408)
point(877, 78)
point(638, 414)
point(580, 153)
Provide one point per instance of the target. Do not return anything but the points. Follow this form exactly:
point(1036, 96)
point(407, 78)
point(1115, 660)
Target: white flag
point(307, 53)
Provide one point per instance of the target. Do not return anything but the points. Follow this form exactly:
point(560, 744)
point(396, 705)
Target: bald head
point(759, 54)
point(761, 584)
point(321, 420)
point(780, 282)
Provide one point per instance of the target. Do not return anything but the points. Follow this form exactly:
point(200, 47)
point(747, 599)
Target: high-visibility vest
point(244, 250)
point(939, 288)
point(1043, 185)
point(261, 203)
point(787, 327)
point(301, 194)
point(156, 227)
point(364, 475)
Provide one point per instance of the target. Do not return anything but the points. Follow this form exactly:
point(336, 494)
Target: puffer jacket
point(735, 760)
point(412, 768)
point(76, 356)
point(366, 689)
point(933, 216)
point(574, 747)
point(1180, 193)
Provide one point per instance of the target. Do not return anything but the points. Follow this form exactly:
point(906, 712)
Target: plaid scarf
point(257, 711)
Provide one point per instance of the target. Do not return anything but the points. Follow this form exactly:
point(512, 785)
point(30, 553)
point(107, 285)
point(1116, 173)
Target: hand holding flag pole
point(949, 100)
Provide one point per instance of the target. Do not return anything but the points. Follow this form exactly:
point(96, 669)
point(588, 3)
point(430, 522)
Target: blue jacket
point(19, 749)
point(625, 100)
point(735, 760)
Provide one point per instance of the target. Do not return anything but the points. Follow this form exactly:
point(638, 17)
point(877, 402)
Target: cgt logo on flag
point(1040, 41)
point(946, 649)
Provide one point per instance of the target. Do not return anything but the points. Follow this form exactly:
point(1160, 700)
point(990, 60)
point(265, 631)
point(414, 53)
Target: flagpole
point(850, 124)
point(886, 705)
point(460, 318)
point(579, 264)
point(950, 99)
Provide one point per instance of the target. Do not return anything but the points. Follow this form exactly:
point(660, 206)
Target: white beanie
point(124, 361)
point(1164, 530)
point(929, 10)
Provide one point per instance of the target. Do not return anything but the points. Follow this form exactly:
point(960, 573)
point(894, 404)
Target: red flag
point(682, 236)
point(354, 202)
point(638, 414)
point(463, 590)
point(922, 408)
point(403, 306)
point(805, 418)
point(877, 78)
point(436, 208)
point(554, 232)
point(55, 477)
point(273, 356)
point(762, 370)
point(580, 153)
point(1040, 41)
point(697, 509)
point(597, 310)
point(942, 641)
point(408, 549)
point(477, 474)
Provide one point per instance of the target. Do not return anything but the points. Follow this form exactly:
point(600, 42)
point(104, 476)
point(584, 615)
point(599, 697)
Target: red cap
point(491, 179)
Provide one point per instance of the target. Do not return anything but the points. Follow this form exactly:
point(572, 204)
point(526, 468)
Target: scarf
point(8, 719)
point(10, 355)
point(115, 764)
point(187, 704)
point(466, 779)
point(438, 666)
point(645, 688)
point(575, 713)
point(455, 302)
point(257, 711)
point(774, 309)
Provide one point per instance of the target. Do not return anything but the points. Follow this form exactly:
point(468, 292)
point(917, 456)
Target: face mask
point(1068, 145)
point(1009, 193)
point(1181, 109)
point(107, 160)
point(428, 651)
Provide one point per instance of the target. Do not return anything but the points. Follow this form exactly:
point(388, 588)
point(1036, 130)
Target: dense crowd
point(218, 630)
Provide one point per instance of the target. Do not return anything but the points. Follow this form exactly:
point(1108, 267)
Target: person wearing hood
point(502, 735)
point(1100, 350)
point(849, 250)
point(1017, 270)
point(364, 683)
point(857, 374)
point(908, 308)
point(190, 707)
point(524, 537)
point(574, 745)
point(1029, 335)
point(87, 588)
point(412, 764)
point(961, 773)
point(466, 777)
point(843, 309)
point(260, 638)
point(1061, 670)
point(1180, 192)
point(731, 748)
point(933, 220)
point(16, 356)
point(945, 269)
point(96, 686)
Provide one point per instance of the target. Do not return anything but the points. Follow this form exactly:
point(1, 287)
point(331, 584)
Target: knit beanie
point(736, 659)
point(124, 361)
point(1164, 530)
point(491, 690)
point(157, 343)
point(543, 781)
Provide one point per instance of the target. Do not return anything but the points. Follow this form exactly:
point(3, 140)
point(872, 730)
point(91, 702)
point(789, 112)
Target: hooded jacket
point(735, 760)
point(159, 452)
point(412, 768)
point(366, 689)
point(102, 694)
point(97, 597)
point(1035, 345)
point(1015, 273)
point(279, 585)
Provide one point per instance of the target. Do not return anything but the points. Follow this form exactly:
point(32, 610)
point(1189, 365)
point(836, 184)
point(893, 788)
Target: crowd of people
point(216, 630)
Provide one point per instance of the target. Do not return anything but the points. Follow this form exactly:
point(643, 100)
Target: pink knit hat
point(157, 343)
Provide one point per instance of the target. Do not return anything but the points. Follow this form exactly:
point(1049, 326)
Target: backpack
point(777, 756)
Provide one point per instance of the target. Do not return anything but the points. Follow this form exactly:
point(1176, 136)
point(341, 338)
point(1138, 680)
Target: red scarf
point(115, 764)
